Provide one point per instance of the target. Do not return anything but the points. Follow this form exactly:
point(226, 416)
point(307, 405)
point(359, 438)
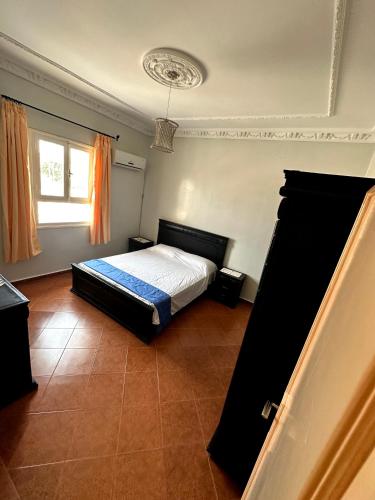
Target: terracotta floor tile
point(94, 319)
point(225, 375)
point(30, 402)
point(96, 433)
point(141, 388)
point(191, 337)
point(180, 423)
point(167, 338)
point(184, 320)
point(44, 361)
point(209, 411)
point(76, 362)
point(170, 358)
point(140, 476)
point(74, 304)
point(85, 338)
point(187, 473)
point(132, 340)
point(140, 428)
point(175, 386)
point(234, 336)
point(141, 359)
point(64, 393)
point(34, 334)
point(39, 319)
point(97, 415)
point(63, 320)
point(198, 357)
point(230, 321)
point(114, 337)
point(36, 483)
point(226, 488)
point(12, 427)
point(45, 304)
point(214, 336)
point(46, 438)
point(110, 360)
point(90, 479)
point(7, 488)
point(211, 322)
point(52, 338)
point(224, 356)
point(104, 391)
point(207, 384)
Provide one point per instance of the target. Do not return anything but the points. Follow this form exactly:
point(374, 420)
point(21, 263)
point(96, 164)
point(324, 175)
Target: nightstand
point(227, 286)
point(139, 243)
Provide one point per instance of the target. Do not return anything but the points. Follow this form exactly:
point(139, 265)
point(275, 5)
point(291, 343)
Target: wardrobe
point(314, 220)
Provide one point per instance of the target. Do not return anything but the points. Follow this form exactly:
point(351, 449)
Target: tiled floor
point(113, 418)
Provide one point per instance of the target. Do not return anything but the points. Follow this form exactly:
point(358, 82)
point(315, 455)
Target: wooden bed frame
point(126, 309)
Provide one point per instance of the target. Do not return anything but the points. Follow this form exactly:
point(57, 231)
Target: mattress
point(182, 275)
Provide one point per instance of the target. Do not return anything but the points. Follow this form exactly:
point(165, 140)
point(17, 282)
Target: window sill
point(56, 225)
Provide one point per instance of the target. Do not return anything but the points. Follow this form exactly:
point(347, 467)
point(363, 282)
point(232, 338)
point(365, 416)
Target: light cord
point(169, 99)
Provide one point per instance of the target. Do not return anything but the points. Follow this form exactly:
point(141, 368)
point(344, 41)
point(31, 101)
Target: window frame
point(34, 160)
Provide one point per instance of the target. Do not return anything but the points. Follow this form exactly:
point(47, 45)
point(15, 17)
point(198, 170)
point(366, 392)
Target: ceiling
point(269, 63)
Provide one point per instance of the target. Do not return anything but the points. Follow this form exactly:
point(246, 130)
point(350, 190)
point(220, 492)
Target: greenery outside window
point(62, 173)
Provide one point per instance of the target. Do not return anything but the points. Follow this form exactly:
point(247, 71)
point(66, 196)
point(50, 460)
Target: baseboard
point(37, 276)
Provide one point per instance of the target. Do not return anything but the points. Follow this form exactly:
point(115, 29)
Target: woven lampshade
point(164, 133)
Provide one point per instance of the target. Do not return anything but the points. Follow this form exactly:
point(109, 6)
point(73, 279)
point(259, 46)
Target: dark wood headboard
point(192, 240)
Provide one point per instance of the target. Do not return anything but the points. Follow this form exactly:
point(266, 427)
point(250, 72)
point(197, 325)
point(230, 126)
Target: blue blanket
point(160, 299)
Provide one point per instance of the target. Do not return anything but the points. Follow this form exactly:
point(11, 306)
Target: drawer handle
point(267, 409)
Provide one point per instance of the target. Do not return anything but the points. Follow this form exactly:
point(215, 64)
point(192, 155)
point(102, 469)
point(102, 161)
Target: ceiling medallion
point(173, 68)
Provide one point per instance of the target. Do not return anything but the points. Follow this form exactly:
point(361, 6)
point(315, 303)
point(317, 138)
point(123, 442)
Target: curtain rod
point(116, 138)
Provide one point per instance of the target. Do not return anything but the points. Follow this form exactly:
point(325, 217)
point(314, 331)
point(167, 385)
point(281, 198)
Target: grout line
point(159, 399)
point(205, 447)
point(114, 475)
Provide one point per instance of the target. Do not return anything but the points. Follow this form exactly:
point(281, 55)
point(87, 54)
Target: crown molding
point(359, 136)
point(142, 124)
point(44, 81)
point(337, 40)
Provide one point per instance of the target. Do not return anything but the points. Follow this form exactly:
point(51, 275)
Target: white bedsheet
point(183, 276)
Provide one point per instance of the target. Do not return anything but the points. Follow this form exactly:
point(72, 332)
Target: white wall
point(371, 168)
point(230, 187)
point(63, 246)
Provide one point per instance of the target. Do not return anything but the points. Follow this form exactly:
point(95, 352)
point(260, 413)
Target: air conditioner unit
point(127, 160)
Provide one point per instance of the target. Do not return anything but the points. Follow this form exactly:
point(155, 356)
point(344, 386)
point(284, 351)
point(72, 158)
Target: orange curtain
point(20, 240)
point(100, 200)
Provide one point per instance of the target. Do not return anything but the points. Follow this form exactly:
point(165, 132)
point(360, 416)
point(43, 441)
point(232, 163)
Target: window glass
point(51, 157)
point(79, 173)
point(50, 212)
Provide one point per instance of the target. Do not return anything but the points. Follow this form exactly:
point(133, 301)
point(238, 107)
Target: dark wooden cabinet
point(139, 243)
point(227, 288)
point(15, 369)
point(315, 217)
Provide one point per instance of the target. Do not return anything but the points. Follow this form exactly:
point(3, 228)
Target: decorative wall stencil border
point(56, 87)
point(309, 135)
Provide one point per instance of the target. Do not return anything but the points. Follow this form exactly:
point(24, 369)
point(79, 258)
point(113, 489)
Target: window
point(61, 172)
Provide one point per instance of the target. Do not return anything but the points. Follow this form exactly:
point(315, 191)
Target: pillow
point(190, 259)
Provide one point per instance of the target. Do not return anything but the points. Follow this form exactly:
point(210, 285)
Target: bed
point(168, 277)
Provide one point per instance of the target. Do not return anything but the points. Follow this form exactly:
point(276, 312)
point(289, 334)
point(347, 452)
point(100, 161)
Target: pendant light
point(164, 128)
point(174, 69)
